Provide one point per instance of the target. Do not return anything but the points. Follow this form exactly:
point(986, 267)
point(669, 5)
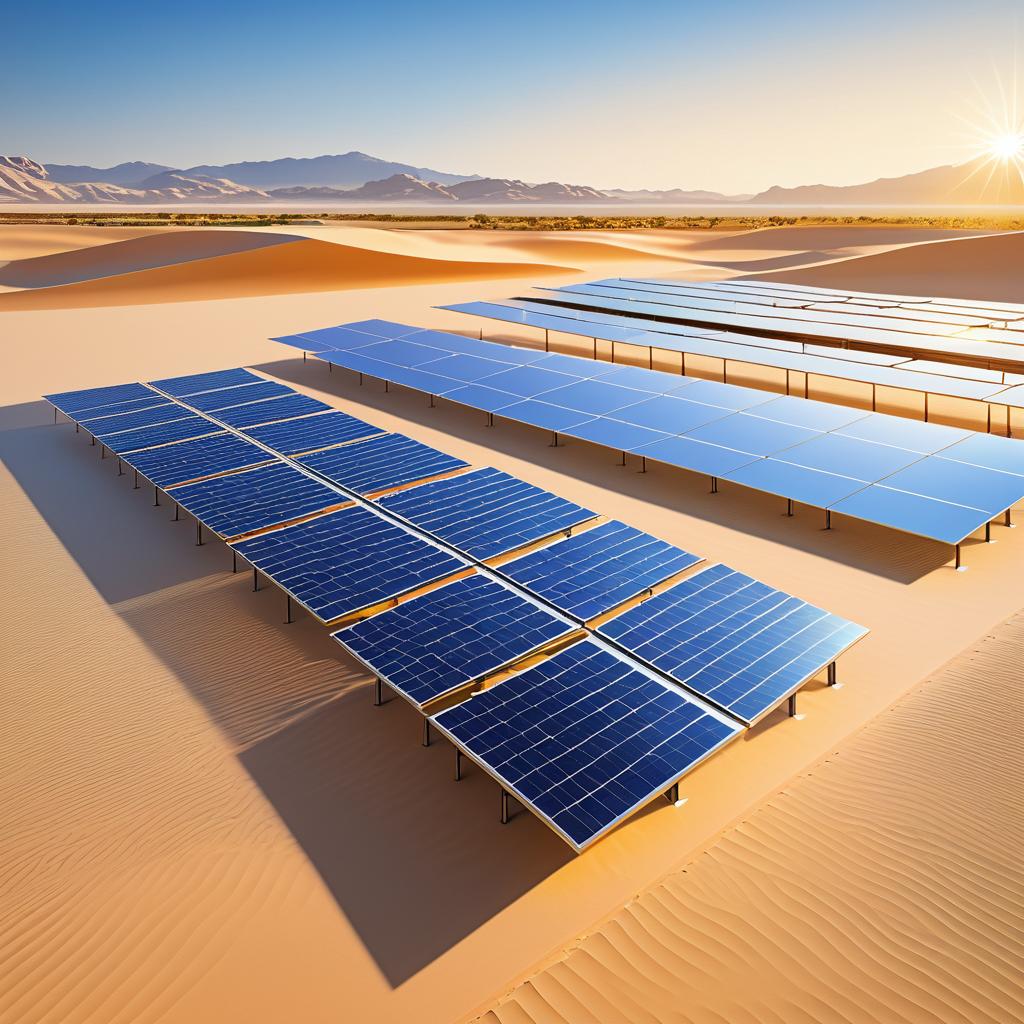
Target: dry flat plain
point(204, 818)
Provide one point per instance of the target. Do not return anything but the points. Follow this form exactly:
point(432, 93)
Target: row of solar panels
point(927, 377)
point(977, 346)
point(934, 481)
point(632, 733)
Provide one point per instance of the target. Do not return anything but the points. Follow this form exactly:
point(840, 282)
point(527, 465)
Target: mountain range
point(359, 178)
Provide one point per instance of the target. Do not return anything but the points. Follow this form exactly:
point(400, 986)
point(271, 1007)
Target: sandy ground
point(206, 819)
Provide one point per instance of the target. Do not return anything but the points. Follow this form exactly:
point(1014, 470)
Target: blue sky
point(731, 96)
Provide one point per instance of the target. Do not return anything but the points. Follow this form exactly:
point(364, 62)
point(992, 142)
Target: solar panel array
point(586, 735)
point(585, 738)
point(811, 452)
point(876, 369)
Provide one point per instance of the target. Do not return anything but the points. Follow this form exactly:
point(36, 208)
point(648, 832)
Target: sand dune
point(18, 242)
point(885, 883)
point(274, 268)
point(985, 267)
point(124, 257)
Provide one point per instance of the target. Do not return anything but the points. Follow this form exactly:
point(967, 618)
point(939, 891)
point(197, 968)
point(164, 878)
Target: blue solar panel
point(594, 397)
point(385, 461)
point(477, 396)
point(224, 398)
point(912, 435)
point(195, 383)
point(110, 423)
point(486, 512)
point(744, 433)
point(75, 402)
point(812, 415)
point(383, 328)
point(592, 572)
point(438, 642)
point(671, 414)
point(466, 368)
point(304, 343)
point(913, 513)
point(808, 486)
point(272, 409)
point(626, 437)
point(163, 433)
point(849, 456)
point(1005, 454)
point(527, 381)
point(307, 433)
point(585, 738)
point(735, 641)
point(957, 482)
point(255, 499)
point(191, 460)
point(347, 561)
point(696, 456)
point(403, 353)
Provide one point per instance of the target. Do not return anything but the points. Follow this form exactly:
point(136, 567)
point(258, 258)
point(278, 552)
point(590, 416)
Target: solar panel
point(308, 433)
point(947, 480)
point(744, 433)
point(596, 570)
point(849, 456)
point(347, 561)
point(110, 423)
point(74, 402)
point(797, 483)
point(989, 451)
point(270, 410)
point(913, 513)
point(224, 398)
point(381, 462)
point(189, 426)
point(696, 456)
point(485, 512)
point(735, 641)
point(255, 499)
point(195, 383)
point(431, 645)
point(191, 460)
point(585, 738)
point(913, 435)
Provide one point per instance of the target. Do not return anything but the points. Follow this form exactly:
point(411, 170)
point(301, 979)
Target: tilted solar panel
point(586, 738)
point(592, 572)
point(191, 460)
point(224, 398)
point(163, 433)
point(308, 433)
point(268, 411)
point(434, 644)
point(195, 383)
point(110, 423)
point(346, 561)
point(485, 512)
point(381, 462)
point(255, 499)
point(737, 642)
point(73, 403)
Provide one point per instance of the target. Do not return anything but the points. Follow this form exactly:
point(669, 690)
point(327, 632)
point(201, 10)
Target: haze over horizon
point(733, 98)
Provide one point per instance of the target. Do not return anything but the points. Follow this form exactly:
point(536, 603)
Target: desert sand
point(206, 819)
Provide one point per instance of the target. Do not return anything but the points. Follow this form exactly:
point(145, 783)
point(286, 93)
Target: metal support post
point(426, 731)
point(792, 705)
point(504, 807)
point(458, 765)
point(288, 606)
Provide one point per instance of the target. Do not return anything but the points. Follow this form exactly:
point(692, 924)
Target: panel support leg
point(504, 807)
point(199, 534)
point(831, 677)
point(714, 485)
point(672, 793)
point(93, 441)
point(255, 580)
point(643, 463)
point(288, 606)
point(234, 560)
point(103, 451)
point(135, 487)
point(792, 705)
point(387, 386)
point(554, 440)
point(828, 520)
point(303, 356)
point(458, 765)
point(76, 429)
point(120, 468)
point(988, 533)
point(378, 692)
point(622, 459)
point(547, 347)
point(156, 495)
point(426, 731)
point(595, 348)
point(432, 403)
point(177, 517)
point(1008, 520)
point(958, 564)
point(789, 506)
point(490, 419)
point(55, 414)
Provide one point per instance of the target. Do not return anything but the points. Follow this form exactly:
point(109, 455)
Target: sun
point(1007, 147)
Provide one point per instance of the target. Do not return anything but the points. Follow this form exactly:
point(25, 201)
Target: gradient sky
point(730, 96)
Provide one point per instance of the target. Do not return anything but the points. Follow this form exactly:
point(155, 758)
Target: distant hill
point(24, 181)
point(348, 170)
point(974, 183)
point(121, 174)
point(511, 190)
point(675, 196)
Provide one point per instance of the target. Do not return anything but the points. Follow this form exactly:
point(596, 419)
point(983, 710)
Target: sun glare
point(1007, 147)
